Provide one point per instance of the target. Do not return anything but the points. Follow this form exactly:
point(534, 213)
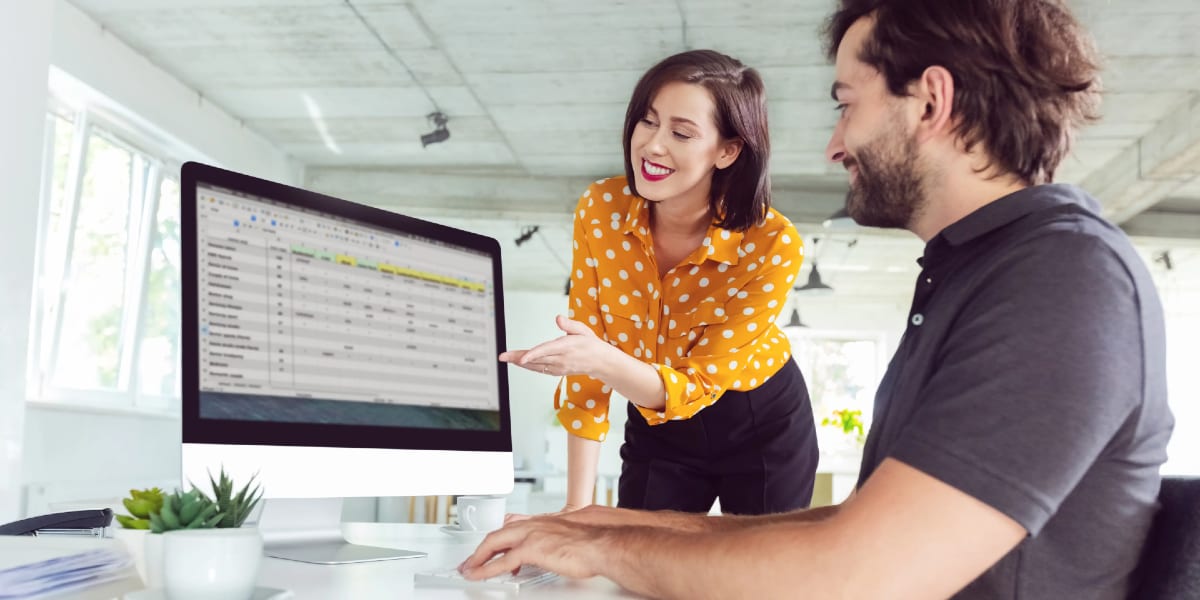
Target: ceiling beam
point(1153, 167)
point(1164, 224)
point(542, 199)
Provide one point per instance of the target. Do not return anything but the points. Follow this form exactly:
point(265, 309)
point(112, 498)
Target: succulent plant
point(140, 504)
point(190, 510)
point(234, 508)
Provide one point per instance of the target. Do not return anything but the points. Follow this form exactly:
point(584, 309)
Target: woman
point(680, 270)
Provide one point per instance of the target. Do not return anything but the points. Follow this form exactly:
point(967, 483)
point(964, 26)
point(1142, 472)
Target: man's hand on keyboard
point(553, 543)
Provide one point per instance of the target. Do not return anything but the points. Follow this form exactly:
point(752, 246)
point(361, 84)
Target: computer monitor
point(335, 350)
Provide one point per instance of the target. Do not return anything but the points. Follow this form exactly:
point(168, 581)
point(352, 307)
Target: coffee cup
point(480, 513)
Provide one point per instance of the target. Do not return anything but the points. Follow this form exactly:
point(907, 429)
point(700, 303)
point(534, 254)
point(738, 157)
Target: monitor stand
point(310, 530)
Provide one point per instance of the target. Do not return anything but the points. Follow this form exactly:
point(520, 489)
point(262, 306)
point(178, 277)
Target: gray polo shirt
point(1032, 377)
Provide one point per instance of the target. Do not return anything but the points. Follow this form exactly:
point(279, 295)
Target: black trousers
point(755, 450)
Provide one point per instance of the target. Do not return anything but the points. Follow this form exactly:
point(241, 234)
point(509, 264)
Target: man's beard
point(888, 190)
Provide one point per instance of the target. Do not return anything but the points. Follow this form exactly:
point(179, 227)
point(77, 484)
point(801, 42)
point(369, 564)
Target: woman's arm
point(580, 352)
point(721, 354)
point(582, 456)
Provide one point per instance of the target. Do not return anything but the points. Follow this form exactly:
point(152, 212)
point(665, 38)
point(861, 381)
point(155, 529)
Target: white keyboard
point(527, 576)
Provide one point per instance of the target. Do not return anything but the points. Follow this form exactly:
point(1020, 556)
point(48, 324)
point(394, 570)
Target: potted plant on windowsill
point(852, 433)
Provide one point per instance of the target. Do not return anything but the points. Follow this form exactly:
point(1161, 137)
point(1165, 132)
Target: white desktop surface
point(393, 579)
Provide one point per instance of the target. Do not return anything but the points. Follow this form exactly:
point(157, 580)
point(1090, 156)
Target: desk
point(393, 579)
point(390, 580)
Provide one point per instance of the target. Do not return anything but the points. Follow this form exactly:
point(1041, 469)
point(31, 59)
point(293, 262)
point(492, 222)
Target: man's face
point(873, 142)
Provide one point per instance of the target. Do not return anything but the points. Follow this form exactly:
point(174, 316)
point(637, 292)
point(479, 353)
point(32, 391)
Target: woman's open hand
point(579, 352)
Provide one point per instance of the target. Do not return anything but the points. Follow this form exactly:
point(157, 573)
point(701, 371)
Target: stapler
point(77, 522)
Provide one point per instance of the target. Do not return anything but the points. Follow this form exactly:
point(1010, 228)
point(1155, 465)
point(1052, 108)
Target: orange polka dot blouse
point(708, 325)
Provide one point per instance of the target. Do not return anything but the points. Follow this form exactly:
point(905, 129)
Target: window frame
point(51, 298)
point(797, 335)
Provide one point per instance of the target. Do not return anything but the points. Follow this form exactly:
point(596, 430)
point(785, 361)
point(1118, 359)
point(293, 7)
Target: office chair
point(1170, 562)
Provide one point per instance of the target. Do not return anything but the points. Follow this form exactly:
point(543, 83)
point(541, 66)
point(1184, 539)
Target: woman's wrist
point(620, 371)
point(608, 362)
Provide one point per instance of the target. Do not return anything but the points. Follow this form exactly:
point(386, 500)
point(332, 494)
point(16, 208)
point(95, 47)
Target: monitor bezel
point(197, 430)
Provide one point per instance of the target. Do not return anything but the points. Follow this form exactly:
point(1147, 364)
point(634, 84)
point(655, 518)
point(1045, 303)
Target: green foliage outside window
point(107, 308)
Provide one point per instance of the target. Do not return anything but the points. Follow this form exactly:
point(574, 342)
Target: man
point(1020, 427)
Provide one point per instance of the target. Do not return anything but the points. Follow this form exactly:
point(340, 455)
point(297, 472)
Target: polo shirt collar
point(721, 245)
point(1004, 211)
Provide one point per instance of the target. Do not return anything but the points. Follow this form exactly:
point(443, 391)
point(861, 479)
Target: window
point(842, 370)
point(106, 314)
point(158, 357)
point(1178, 283)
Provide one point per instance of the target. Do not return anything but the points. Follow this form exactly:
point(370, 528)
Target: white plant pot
point(153, 553)
point(206, 564)
point(134, 541)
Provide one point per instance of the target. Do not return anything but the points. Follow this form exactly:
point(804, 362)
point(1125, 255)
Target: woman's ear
point(730, 150)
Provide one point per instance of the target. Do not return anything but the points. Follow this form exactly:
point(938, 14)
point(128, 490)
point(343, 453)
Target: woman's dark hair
point(741, 192)
point(1025, 72)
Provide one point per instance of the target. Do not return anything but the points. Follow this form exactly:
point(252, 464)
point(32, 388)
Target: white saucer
point(453, 530)
point(260, 593)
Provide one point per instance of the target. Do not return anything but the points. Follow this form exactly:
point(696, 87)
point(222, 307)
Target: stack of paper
point(45, 566)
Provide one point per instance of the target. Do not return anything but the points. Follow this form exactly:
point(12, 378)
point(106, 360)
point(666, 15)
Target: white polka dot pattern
point(710, 317)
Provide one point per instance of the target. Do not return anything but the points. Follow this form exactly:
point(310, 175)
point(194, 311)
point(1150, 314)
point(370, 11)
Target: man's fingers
point(508, 562)
point(495, 543)
point(513, 518)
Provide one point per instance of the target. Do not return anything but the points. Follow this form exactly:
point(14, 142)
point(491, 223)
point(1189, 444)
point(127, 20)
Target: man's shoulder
point(1067, 233)
point(1069, 215)
point(1080, 249)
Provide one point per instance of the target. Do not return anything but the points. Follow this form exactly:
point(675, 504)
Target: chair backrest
point(1170, 562)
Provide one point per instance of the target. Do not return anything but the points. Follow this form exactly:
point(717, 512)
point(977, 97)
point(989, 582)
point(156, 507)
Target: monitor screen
point(311, 321)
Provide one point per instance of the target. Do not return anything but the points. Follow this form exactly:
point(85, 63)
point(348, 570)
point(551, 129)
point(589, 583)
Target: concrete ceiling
point(536, 92)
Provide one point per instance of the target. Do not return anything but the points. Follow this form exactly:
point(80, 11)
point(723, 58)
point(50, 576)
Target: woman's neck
point(686, 215)
point(678, 227)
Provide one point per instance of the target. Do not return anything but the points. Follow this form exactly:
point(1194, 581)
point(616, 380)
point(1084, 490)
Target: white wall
point(74, 455)
point(839, 313)
point(1183, 378)
point(25, 51)
point(529, 320)
point(121, 450)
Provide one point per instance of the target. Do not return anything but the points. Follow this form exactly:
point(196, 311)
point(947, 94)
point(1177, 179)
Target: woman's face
point(676, 145)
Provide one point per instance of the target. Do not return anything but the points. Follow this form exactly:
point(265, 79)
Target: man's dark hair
point(1025, 71)
point(741, 192)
